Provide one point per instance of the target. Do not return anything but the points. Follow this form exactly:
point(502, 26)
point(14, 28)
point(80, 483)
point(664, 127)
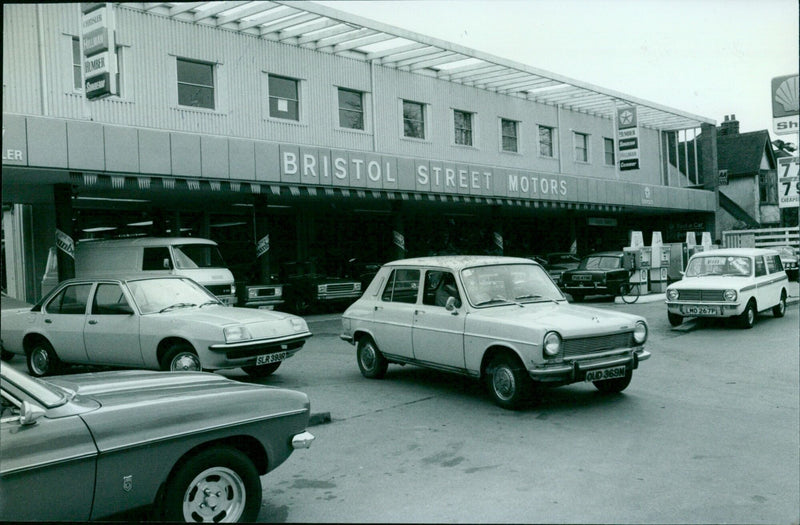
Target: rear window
point(402, 286)
point(601, 262)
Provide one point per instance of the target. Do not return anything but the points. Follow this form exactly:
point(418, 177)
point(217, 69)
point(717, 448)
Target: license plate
point(581, 277)
point(270, 358)
point(700, 310)
point(605, 373)
point(266, 307)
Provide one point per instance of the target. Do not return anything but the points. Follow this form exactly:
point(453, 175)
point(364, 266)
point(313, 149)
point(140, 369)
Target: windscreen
point(499, 284)
point(197, 256)
point(736, 266)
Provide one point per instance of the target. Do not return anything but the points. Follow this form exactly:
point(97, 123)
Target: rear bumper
point(572, 371)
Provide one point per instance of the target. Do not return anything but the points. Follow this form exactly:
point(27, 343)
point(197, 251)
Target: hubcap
point(40, 361)
point(216, 494)
point(185, 361)
point(751, 315)
point(503, 383)
point(368, 357)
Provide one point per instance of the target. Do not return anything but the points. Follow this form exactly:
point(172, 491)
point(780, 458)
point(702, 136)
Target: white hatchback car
point(732, 282)
point(500, 319)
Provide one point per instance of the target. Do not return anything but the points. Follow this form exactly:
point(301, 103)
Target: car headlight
point(672, 294)
point(322, 288)
point(640, 332)
point(278, 291)
point(730, 295)
point(357, 287)
point(552, 344)
point(235, 334)
point(298, 324)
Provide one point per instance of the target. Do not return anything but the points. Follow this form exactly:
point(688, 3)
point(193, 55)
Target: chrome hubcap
point(215, 495)
point(40, 361)
point(751, 315)
point(368, 357)
point(503, 383)
point(185, 362)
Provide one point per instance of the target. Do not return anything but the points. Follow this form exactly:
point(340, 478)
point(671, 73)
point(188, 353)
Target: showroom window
point(351, 109)
point(195, 84)
point(284, 100)
point(413, 120)
point(509, 130)
point(546, 142)
point(608, 144)
point(581, 141)
point(462, 121)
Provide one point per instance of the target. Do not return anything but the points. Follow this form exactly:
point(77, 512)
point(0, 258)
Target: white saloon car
point(732, 282)
point(159, 323)
point(500, 319)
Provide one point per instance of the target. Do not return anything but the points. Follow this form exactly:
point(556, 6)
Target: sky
point(710, 58)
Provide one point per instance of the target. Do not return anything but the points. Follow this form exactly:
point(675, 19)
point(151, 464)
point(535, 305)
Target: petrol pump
point(636, 258)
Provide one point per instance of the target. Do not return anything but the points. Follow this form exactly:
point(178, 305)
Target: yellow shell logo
point(787, 94)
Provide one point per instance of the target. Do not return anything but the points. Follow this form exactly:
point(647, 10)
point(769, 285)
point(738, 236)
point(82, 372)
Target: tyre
point(218, 484)
point(613, 386)
point(181, 357)
point(674, 319)
point(301, 305)
point(261, 370)
point(370, 360)
point(629, 292)
point(5, 355)
point(747, 318)
point(508, 382)
point(779, 310)
point(577, 297)
point(42, 359)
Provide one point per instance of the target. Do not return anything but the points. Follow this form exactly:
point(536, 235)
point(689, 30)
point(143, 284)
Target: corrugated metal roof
point(328, 30)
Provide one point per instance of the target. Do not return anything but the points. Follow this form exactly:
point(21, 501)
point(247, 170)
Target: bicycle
point(629, 292)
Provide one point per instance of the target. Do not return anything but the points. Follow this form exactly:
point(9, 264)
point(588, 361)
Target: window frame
point(214, 83)
point(424, 112)
point(297, 101)
point(362, 97)
point(390, 283)
point(607, 152)
point(517, 137)
point(73, 41)
point(576, 149)
point(470, 130)
point(553, 151)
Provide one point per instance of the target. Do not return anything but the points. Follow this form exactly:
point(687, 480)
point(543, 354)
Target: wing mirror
point(29, 414)
point(450, 305)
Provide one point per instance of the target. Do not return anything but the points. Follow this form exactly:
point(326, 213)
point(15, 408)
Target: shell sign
point(785, 96)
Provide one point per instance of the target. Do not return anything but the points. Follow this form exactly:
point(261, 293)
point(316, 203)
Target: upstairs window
point(509, 130)
point(462, 122)
point(351, 109)
point(546, 142)
point(413, 120)
point(581, 141)
point(284, 101)
point(608, 144)
point(768, 187)
point(77, 81)
point(195, 84)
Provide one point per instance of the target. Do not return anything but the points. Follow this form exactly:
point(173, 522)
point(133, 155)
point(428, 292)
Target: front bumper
point(575, 370)
point(246, 353)
point(329, 297)
point(588, 288)
point(684, 309)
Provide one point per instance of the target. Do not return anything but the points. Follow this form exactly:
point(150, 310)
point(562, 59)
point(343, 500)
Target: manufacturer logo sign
point(65, 243)
point(262, 246)
point(628, 138)
point(99, 50)
point(785, 104)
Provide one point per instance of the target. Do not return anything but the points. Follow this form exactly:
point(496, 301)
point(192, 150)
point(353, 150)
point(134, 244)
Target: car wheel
point(576, 297)
point(613, 386)
point(218, 484)
point(42, 359)
point(370, 360)
point(508, 382)
point(5, 355)
point(780, 309)
point(301, 306)
point(674, 319)
point(748, 318)
point(181, 357)
point(261, 370)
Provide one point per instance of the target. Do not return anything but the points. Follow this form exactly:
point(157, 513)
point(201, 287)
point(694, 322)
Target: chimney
point(729, 127)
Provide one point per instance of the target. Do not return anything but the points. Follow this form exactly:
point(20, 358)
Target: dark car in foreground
point(190, 446)
point(600, 273)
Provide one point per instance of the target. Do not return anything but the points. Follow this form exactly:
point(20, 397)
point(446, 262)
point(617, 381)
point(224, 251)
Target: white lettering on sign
point(100, 84)
point(12, 154)
point(466, 179)
point(311, 166)
point(531, 185)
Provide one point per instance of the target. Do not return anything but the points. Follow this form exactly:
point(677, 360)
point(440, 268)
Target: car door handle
point(92, 321)
point(417, 312)
point(48, 321)
point(378, 308)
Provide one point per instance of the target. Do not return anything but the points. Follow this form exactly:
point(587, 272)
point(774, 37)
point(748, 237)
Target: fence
point(763, 238)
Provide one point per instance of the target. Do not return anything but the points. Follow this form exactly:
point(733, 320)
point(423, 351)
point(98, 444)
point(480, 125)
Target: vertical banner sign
point(628, 138)
point(98, 50)
point(65, 243)
point(399, 240)
point(788, 168)
point(498, 240)
point(785, 107)
point(262, 246)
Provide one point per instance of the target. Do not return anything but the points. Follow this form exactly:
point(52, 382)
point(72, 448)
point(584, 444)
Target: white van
point(198, 259)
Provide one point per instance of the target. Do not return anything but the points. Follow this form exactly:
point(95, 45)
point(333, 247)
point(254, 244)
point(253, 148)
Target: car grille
point(219, 289)
point(701, 295)
point(591, 345)
point(340, 287)
point(264, 292)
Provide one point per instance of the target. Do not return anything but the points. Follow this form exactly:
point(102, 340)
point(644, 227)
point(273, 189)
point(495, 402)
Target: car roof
point(121, 278)
point(458, 262)
point(148, 241)
point(606, 254)
point(746, 252)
